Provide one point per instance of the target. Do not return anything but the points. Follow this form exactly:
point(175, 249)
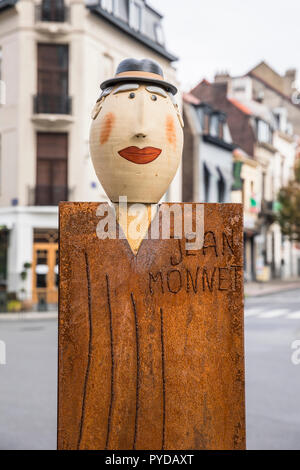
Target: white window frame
point(108, 5)
point(263, 131)
point(132, 4)
point(159, 34)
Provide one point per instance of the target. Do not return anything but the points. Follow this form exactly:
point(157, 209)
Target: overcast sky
point(233, 35)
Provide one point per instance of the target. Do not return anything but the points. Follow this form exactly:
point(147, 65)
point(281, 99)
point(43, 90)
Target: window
point(159, 34)
point(53, 77)
point(53, 10)
point(107, 5)
point(264, 133)
point(51, 170)
point(221, 187)
point(214, 125)
point(135, 15)
point(263, 185)
point(226, 134)
point(206, 183)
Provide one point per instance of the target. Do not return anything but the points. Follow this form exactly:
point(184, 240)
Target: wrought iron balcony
point(52, 104)
point(58, 14)
point(43, 195)
point(268, 210)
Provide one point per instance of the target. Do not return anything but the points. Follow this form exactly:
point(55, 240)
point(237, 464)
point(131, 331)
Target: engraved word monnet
point(136, 135)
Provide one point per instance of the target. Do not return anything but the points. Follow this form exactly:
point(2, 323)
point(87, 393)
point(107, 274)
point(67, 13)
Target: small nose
point(140, 135)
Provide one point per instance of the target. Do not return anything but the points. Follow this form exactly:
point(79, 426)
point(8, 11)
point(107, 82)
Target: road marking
point(294, 315)
point(251, 312)
point(274, 313)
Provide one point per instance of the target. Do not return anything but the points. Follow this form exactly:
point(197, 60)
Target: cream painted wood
point(135, 220)
point(122, 122)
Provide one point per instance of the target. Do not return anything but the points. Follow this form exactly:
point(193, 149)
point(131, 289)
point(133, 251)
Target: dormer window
point(159, 34)
point(264, 131)
point(135, 15)
point(217, 126)
point(107, 5)
point(214, 125)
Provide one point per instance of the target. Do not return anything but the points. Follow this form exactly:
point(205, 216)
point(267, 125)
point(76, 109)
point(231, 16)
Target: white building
point(54, 55)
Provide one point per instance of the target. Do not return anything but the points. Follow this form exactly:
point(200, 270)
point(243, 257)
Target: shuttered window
point(52, 168)
point(53, 78)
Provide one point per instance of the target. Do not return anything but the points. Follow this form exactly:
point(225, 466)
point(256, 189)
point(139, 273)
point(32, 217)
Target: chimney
point(222, 77)
point(288, 80)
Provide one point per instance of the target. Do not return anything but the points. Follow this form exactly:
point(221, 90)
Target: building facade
point(54, 55)
point(207, 171)
point(263, 130)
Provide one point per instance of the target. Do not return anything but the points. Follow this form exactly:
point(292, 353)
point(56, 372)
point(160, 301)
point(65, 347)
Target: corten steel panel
point(151, 348)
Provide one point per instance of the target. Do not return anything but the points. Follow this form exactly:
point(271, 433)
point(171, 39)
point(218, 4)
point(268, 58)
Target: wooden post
point(151, 350)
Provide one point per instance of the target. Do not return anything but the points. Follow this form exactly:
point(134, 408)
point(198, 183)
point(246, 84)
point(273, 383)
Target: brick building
point(261, 125)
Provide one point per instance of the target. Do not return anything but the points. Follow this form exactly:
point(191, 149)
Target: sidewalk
point(254, 289)
point(28, 315)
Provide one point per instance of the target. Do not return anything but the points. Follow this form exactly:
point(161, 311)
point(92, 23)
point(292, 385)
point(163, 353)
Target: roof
point(153, 9)
point(189, 98)
point(271, 87)
point(122, 25)
point(5, 4)
point(118, 23)
point(240, 106)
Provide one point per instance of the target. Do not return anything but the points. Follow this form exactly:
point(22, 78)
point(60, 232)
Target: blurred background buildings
point(240, 135)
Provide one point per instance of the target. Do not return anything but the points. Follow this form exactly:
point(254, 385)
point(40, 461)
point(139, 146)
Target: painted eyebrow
point(173, 99)
point(126, 87)
point(156, 89)
point(105, 92)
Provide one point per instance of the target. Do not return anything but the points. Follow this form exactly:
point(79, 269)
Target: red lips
point(140, 156)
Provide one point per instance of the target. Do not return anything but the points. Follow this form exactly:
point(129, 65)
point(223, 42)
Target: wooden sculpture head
point(136, 136)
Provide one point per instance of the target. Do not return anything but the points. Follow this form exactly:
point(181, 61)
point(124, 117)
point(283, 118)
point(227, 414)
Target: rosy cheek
point(170, 130)
point(106, 127)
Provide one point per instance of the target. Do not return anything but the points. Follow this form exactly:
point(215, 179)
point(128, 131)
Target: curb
point(272, 291)
point(28, 316)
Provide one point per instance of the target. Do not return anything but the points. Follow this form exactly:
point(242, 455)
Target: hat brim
point(165, 85)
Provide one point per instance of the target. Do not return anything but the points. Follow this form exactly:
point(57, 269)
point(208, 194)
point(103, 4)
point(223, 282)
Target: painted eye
point(154, 97)
point(131, 95)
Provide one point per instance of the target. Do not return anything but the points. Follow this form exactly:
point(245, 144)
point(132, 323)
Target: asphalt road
point(272, 323)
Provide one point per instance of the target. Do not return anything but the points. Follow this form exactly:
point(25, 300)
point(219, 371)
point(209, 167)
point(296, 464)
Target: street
point(272, 322)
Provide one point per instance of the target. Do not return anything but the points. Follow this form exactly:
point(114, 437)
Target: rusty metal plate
point(151, 347)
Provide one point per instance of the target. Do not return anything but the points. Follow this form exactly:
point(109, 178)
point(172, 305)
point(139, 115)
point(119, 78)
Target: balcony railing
point(268, 210)
point(57, 14)
point(51, 104)
point(43, 195)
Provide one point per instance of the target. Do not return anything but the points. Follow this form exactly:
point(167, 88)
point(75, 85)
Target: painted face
point(136, 142)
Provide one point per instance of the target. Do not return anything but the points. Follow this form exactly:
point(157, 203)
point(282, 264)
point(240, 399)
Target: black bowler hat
point(144, 70)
